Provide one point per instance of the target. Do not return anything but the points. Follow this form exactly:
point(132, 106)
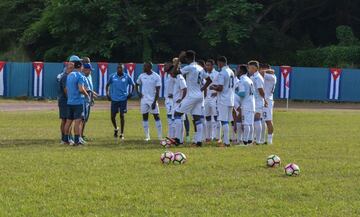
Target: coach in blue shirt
point(119, 84)
point(76, 94)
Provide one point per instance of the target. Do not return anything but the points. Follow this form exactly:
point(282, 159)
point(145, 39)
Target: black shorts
point(75, 112)
point(63, 111)
point(86, 108)
point(118, 106)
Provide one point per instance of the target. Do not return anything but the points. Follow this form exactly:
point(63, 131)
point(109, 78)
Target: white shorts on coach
point(194, 106)
point(210, 108)
point(268, 111)
point(145, 107)
point(247, 117)
point(225, 113)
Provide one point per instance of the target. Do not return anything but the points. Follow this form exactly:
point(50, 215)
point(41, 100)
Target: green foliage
point(346, 36)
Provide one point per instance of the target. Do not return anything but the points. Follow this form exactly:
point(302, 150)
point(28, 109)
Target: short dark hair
point(243, 69)
point(85, 60)
point(211, 61)
point(264, 65)
point(148, 63)
point(253, 63)
point(201, 62)
point(222, 59)
point(190, 55)
point(77, 64)
point(120, 65)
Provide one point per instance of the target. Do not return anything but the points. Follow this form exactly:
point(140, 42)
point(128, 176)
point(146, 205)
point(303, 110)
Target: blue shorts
point(63, 111)
point(118, 106)
point(86, 109)
point(75, 112)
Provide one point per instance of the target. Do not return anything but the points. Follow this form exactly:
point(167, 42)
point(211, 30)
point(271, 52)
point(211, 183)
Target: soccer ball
point(179, 158)
point(165, 143)
point(273, 161)
point(292, 169)
point(166, 157)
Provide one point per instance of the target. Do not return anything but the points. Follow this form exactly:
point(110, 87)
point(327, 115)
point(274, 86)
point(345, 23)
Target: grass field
point(40, 177)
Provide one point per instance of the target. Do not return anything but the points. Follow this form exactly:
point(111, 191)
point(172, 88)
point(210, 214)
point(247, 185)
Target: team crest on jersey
point(123, 80)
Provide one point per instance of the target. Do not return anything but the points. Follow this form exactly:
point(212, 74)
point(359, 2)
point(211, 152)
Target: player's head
point(69, 67)
point(201, 63)
point(87, 69)
point(209, 65)
point(221, 61)
point(120, 69)
point(263, 67)
point(190, 56)
point(86, 60)
point(242, 70)
point(77, 62)
point(253, 66)
point(147, 67)
point(167, 66)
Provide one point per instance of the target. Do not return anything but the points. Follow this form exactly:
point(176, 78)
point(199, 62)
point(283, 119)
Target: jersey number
point(199, 79)
point(231, 82)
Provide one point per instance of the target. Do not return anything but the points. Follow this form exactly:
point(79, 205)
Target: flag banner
point(285, 73)
point(38, 72)
point(103, 76)
point(162, 76)
point(130, 69)
point(2, 78)
point(334, 83)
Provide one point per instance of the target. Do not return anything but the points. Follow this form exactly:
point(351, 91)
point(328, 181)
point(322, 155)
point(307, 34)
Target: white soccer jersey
point(226, 78)
point(258, 81)
point(169, 85)
point(246, 85)
point(269, 85)
point(213, 76)
point(148, 86)
point(194, 75)
point(179, 85)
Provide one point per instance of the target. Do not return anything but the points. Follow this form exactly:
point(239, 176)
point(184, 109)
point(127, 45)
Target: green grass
point(40, 177)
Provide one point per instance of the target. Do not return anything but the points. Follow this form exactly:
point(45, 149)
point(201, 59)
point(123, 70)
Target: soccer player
point(150, 83)
point(87, 68)
point(212, 124)
point(260, 102)
point(225, 88)
point(168, 94)
point(76, 93)
point(117, 89)
point(245, 90)
point(194, 99)
point(269, 88)
point(62, 99)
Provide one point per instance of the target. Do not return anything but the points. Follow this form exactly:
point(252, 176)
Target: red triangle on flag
point(38, 67)
point(335, 72)
point(285, 71)
point(130, 67)
point(102, 67)
point(2, 64)
point(161, 69)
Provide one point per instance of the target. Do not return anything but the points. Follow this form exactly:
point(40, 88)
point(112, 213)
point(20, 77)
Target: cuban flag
point(162, 76)
point(130, 69)
point(2, 78)
point(103, 76)
point(334, 83)
point(38, 72)
point(285, 72)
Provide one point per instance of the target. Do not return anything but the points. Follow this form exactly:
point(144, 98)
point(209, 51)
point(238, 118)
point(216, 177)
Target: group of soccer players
point(225, 106)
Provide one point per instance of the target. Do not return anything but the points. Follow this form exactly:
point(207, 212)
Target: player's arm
point(107, 89)
point(83, 90)
point(207, 80)
point(157, 91)
point(262, 94)
point(220, 84)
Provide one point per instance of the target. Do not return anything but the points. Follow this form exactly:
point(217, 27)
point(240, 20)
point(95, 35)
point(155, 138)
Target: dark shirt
point(62, 98)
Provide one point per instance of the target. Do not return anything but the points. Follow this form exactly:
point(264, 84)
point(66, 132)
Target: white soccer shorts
point(145, 107)
point(247, 117)
point(169, 106)
point(210, 108)
point(225, 113)
point(259, 106)
point(194, 106)
point(268, 111)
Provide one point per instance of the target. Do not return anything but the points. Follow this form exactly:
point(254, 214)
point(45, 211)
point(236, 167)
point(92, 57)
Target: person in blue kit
point(117, 91)
point(76, 93)
point(87, 68)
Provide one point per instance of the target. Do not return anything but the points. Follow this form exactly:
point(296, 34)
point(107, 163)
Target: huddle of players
point(244, 99)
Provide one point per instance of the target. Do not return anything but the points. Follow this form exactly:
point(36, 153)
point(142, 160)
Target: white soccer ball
point(292, 169)
point(166, 157)
point(179, 158)
point(273, 161)
point(164, 143)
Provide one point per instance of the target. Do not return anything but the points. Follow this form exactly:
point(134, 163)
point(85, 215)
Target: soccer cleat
point(223, 145)
point(147, 139)
point(71, 142)
point(196, 145)
point(82, 141)
point(208, 140)
point(116, 131)
point(121, 136)
point(188, 139)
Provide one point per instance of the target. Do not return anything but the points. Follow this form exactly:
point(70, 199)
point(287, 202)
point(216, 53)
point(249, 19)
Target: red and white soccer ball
point(167, 157)
point(292, 169)
point(273, 161)
point(179, 158)
point(165, 143)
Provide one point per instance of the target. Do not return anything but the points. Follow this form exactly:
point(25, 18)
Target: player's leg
point(239, 130)
point(225, 113)
point(257, 127)
point(123, 110)
point(247, 122)
point(197, 113)
point(269, 123)
point(145, 109)
point(208, 127)
point(78, 115)
point(158, 124)
point(169, 116)
point(187, 128)
point(114, 111)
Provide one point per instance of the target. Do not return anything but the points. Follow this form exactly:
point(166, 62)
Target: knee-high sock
point(178, 126)
point(159, 128)
point(213, 129)
point(182, 132)
point(233, 133)
point(173, 127)
point(257, 130)
point(225, 128)
point(187, 125)
point(270, 138)
point(246, 136)
point(170, 127)
point(239, 132)
point(209, 129)
point(263, 131)
point(199, 131)
point(218, 130)
point(251, 135)
point(146, 129)
point(203, 134)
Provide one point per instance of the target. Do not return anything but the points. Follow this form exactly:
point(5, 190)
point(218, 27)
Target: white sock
point(178, 126)
point(218, 130)
point(246, 136)
point(209, 129)
point(182, 132)
point(263, 131)
point(173, 127)
point(170, 127)
point(239, 132)
point(213, 129)
point(257, 131)
point(225, 128)
point(233, 133)
point(203, 132)
point(146, 129)
point(251, 134)
point(199, 131)
point(270, 138)
point(159, 129)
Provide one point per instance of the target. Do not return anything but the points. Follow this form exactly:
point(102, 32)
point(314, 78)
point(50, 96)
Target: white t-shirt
point(169, 85)
point(179, 85)
point(194, 74)
point(258, 81)
point(226, 78)
point(148, 86)
point(269, 86)
point(246, 85)
point(213, 76)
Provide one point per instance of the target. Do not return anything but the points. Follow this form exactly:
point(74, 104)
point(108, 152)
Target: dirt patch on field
point(29, 105)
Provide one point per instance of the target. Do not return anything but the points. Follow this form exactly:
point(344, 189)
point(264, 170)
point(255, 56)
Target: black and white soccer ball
point(292, 169)
point(179, 158)
point(165, 143)
point(273, 161)
point(166, 157)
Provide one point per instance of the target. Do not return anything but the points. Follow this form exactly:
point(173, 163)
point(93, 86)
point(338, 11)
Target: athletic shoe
point(82, 141)
point(116, 132)
point(71, 142)
point(196, 145)
point(223, 145)
point(188, 139)
point(147, 139)
point(208, 140)
point(121, 136)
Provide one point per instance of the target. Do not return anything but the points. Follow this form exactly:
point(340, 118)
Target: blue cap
point(88, 66)
point(75, 58)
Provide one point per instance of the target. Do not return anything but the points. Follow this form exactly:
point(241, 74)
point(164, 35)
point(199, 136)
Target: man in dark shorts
point(117, 92)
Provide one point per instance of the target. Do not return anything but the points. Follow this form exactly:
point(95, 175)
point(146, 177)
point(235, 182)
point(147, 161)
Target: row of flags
point(102, 73)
